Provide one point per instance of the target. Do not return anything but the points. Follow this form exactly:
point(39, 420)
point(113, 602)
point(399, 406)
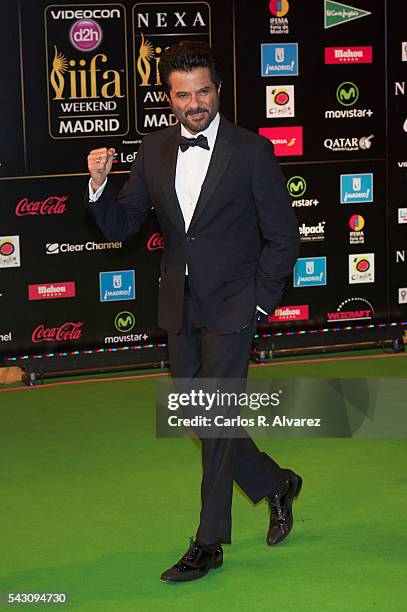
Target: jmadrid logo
point(347, 93)
point(155, 27)
point(124, 321)
point(87, 71)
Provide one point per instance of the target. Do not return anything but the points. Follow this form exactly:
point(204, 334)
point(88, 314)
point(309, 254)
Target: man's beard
point(197, 126)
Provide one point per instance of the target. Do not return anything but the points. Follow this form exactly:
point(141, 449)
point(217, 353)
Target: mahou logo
point(348, 55)
point(66, 332)
point(52, 205)
point(155, 242)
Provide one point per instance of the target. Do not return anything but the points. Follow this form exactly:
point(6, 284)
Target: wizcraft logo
point(87, 71)
point(352, 309)
point(155, 27)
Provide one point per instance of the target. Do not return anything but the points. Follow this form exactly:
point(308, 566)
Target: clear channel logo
point(310, 272)
point(279, 60)
point(356, 188)
point(56, 248)
point(117, 286)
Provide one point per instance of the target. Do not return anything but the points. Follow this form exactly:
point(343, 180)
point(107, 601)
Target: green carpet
point(92, 504)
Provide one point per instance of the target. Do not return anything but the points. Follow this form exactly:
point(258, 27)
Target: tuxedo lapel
point(222, 152)
point(168, 161)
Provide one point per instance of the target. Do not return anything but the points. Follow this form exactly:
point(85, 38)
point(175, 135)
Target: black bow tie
point(199, 141)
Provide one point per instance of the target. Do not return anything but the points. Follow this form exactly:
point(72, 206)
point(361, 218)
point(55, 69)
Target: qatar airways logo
point(66, 332)
point(155, 242)
point(48, 291)
point(53, 205)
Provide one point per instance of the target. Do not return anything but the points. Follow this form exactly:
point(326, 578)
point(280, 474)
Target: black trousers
point(196, 352)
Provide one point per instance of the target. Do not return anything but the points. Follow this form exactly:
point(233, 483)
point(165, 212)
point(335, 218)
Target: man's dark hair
point(185, 56)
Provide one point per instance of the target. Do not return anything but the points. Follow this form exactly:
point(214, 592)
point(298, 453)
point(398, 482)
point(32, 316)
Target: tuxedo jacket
point(231, 270)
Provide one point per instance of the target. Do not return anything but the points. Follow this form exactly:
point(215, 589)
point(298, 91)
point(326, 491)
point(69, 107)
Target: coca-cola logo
point(66, 331)
point(53, 205)
point(155, 242)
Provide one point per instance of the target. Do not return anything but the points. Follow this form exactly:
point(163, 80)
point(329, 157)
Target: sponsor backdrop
point(317, 79)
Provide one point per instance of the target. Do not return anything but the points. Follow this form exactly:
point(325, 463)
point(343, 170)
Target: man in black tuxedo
point(215, 187)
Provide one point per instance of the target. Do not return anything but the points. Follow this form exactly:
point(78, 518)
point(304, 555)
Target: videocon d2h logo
point(156, 26)
point(87, 80)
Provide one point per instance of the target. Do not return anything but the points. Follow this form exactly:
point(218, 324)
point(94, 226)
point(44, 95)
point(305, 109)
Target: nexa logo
point(173, 20)
point(399, 88)
point(86, 14)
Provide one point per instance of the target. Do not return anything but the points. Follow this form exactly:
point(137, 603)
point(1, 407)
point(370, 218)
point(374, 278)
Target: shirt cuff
point(261, 310)
point(95, 195)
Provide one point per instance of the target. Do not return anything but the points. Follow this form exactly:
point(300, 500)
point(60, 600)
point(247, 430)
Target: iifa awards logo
point(87, 79)
point(156, 26)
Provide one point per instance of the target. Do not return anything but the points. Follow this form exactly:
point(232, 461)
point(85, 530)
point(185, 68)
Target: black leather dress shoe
point(281, 511)
point(196, 563)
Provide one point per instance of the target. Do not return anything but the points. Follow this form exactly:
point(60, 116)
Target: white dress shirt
point(191, 169)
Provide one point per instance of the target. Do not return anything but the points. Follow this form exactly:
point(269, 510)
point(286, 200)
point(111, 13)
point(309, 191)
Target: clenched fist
point(99, 165)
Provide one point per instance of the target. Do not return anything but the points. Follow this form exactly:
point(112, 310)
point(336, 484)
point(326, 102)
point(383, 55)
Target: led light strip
point(301, 332)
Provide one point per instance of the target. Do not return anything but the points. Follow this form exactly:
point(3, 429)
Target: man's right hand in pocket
point(99, 165)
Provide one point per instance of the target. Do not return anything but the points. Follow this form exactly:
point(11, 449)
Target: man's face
point(194, 98)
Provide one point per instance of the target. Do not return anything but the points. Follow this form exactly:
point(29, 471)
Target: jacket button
point(190, 238)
